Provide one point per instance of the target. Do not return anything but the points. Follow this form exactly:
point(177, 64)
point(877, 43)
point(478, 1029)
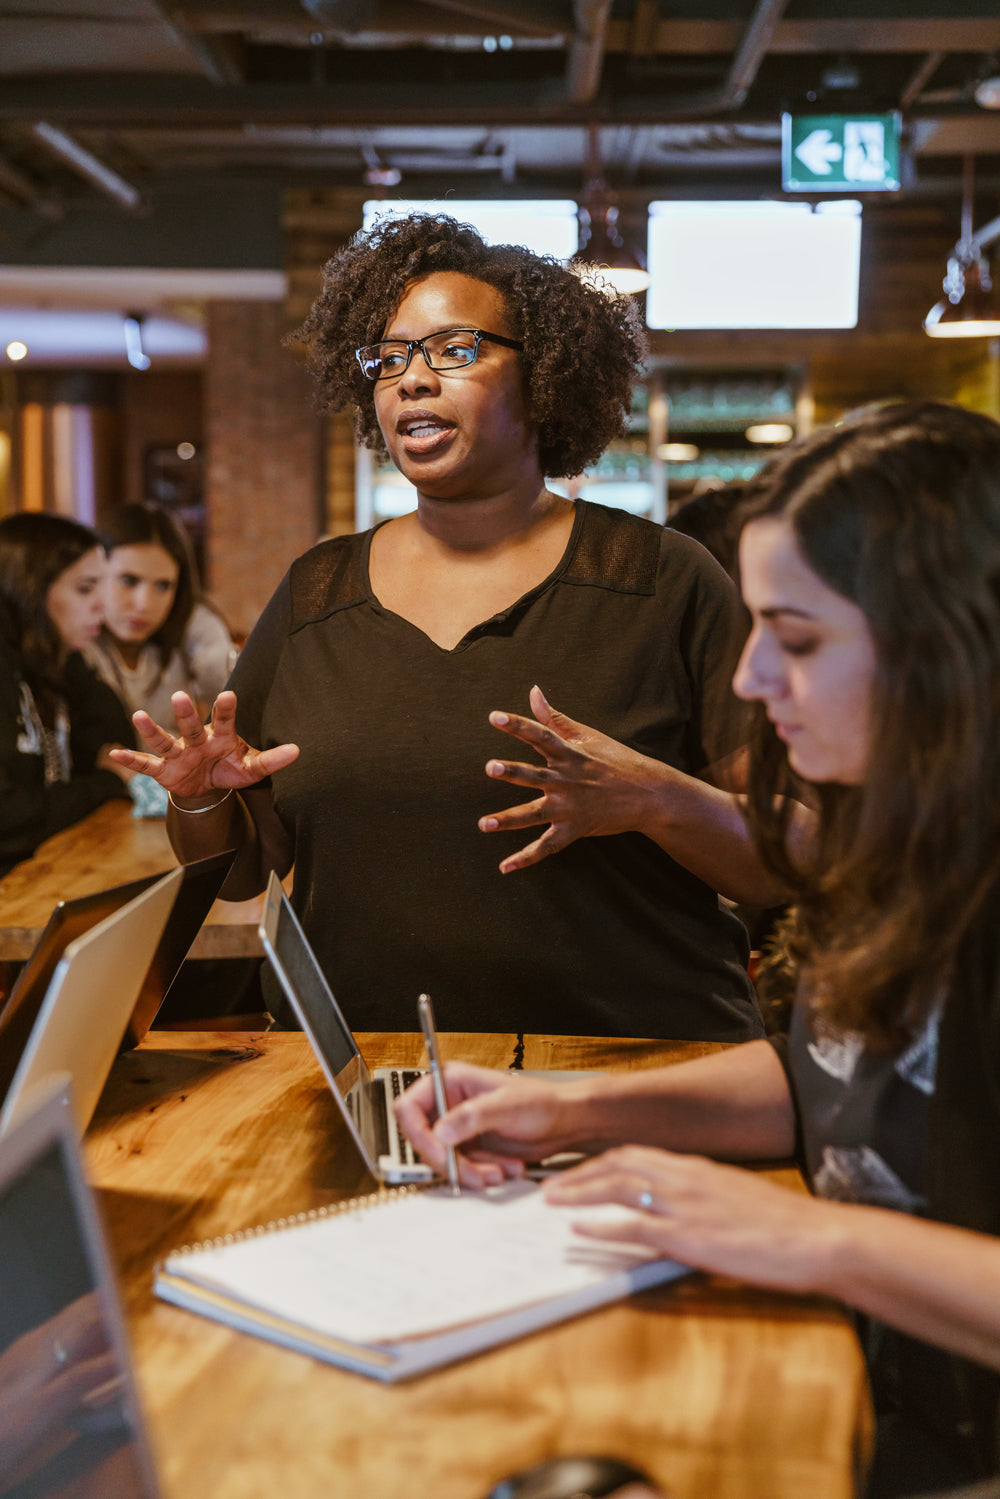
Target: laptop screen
point(69, 1421)
point(343, 1062)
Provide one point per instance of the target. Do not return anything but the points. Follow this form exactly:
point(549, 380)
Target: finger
point(266, 762)
point(520, 774)
point(513, 819)
point(224, 714)
point(629, 1189)
point(551, 841)
point(159, 741)
point(189, 724)
point(508, 1167)
point(144, 765)
point(544, 740)
point(565, 727)
point(636, 1228)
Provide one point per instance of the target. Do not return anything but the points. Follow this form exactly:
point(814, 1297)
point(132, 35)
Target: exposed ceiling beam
point(920, 78)
point(19, 187)
point(665, 36)
point(859, 34)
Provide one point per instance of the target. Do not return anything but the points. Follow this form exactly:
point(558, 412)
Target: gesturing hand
point(203, 757)
point(591, 786)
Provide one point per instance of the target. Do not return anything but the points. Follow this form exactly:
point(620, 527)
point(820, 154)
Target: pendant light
point(970, 307)
point(604, 255)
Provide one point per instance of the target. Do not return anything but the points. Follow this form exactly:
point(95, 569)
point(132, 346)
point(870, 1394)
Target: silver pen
point(437, 1077)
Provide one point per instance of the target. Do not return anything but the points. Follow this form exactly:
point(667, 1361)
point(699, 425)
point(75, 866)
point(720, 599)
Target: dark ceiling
point(473, 97)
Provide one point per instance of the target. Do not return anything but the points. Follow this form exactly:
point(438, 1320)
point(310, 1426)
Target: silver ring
point(646, 1199)
point(60, 1354)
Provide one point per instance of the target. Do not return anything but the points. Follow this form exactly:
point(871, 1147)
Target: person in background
point(58, 723)
point(361, 729)
point(871, 569)
point(713, 518)
point(160, 635)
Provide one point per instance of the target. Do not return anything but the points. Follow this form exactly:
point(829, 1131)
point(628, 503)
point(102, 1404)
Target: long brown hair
point(899, 511)
point(149, 525)
point(36, 548)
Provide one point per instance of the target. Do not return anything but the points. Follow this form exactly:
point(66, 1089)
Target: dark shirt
point(917, 1132)
point(398, 890)
point(30, 810)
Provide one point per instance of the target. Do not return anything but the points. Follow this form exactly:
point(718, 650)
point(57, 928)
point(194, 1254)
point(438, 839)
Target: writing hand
point(717, 1218)
point(591, 786)
point(502, 1121)
point(202, 758)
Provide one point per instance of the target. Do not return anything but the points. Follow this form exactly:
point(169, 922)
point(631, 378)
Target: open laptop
point(89, 1001)
point(363, 1096)
point(72, 1421)
point(201, 883)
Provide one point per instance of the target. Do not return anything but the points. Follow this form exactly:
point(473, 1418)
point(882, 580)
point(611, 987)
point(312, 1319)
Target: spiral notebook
point(407, 1280)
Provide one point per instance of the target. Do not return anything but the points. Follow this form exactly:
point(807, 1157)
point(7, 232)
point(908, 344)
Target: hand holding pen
point(437, 1076)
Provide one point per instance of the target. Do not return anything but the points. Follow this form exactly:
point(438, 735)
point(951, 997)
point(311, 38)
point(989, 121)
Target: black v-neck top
point(398, 890)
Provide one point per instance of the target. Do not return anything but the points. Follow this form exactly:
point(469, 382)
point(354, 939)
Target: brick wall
point(264, 442)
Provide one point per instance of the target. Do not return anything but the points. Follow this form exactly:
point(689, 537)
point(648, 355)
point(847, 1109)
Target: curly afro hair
point(583, 345)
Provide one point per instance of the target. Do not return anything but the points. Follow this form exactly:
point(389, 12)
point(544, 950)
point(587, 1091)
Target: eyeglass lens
point(442, 351)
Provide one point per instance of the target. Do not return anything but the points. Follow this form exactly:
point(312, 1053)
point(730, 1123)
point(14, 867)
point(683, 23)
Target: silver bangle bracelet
point(197, 811)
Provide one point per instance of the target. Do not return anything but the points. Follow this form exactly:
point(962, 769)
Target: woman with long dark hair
point(160, 635)
point(871, 569)
point(57, 721)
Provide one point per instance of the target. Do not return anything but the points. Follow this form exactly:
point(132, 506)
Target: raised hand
point(499, 1119)
point(591, 786)
point(202, 758)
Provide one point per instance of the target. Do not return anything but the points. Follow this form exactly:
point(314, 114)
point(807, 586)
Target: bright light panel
point(754, 265)
point(549, 226)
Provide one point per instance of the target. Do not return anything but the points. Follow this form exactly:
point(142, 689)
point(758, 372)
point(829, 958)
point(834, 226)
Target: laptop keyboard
point(399, 1080)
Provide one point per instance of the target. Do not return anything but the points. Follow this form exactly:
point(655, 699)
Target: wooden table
point(722, 1392)
point(109, 847)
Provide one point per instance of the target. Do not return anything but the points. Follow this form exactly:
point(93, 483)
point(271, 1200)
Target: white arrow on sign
point(818, 151)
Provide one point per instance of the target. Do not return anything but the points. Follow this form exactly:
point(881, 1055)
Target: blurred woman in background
point(160, 636)
point(57, 721)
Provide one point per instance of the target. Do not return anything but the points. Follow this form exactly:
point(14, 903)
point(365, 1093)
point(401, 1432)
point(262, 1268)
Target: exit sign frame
point(840, 153)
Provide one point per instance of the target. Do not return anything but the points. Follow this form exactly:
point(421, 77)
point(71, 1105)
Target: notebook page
point(415, 1264)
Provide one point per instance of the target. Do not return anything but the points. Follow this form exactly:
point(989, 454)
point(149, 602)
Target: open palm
point(202, 757)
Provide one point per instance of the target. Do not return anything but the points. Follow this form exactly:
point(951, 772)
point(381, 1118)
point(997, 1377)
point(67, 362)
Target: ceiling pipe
point(586, 50)
point(537, 17)
point(754, 43)
point(87, 165)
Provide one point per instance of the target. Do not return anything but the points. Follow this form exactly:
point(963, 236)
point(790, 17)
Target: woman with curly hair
point(480, 370)
point(871, 568)
point(160, 636)
point(58, 723)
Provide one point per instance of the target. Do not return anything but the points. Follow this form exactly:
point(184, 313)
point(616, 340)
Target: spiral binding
point(333, 1210)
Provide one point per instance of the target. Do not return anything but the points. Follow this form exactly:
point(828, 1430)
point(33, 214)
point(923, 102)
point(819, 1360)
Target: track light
point(132, 328)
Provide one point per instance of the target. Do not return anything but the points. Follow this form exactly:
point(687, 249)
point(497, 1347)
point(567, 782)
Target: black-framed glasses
point(452, 349)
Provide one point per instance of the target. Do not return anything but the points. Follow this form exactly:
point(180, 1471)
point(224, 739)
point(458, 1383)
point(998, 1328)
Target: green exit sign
point(840, 153)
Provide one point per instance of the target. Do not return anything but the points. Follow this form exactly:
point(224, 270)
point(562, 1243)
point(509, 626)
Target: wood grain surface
point(109, 847)
point(722, 1392)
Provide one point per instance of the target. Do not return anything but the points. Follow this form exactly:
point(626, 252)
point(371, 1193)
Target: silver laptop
point(73, 1425)
point(89, 1002)
point(364, 1096)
